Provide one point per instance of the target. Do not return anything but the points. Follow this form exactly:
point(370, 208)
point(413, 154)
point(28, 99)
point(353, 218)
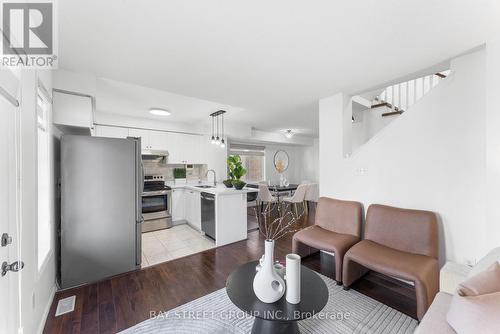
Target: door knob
point(15, 267)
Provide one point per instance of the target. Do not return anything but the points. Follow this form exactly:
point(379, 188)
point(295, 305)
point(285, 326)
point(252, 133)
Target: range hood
point(155, 156)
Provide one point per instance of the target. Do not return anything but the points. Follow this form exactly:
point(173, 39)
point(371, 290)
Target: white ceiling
point(117, 97)
point(273, 59)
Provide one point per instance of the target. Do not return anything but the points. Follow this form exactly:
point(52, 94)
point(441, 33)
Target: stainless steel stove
point(156, 204)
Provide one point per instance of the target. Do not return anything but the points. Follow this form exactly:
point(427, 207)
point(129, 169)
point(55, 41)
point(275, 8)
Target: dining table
point(277, 189)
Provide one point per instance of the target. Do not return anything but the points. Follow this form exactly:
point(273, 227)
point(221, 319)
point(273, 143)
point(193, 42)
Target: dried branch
point(282, 225)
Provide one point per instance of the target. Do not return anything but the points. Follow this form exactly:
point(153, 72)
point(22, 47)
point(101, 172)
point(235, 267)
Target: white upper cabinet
point(111, 131)
point(182, 148)
point(158, 141)
point(192, 144)
point(72, 110)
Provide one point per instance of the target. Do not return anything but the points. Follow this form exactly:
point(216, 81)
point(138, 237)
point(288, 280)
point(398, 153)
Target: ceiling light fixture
point(289, 134)
point(222, 143)
point(217, 137)
point(212, 140)
point(159, 112)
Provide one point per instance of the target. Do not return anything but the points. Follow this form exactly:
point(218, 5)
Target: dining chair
point(312, 195)
point(297, 197)
point(264, 195)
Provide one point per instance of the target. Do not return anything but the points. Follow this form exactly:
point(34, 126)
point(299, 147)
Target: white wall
point(492, 224)
point(303, 163)
point(309, 160)
point(367, 123)
point(431, 157)
point(37, 287)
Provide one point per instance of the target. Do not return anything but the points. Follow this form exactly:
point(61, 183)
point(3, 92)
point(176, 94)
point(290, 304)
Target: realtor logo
point(28, 35)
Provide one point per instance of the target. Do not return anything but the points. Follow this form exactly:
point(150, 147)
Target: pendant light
point(222, 143)
point(218, 130)
point(212, 140)
point(217, 139)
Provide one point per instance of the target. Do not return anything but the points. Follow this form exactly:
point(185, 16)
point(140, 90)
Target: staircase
point(401, 96)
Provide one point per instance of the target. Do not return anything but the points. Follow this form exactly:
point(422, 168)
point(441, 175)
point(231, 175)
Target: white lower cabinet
point(193, 208)
point(178, 205)
point(196, 206)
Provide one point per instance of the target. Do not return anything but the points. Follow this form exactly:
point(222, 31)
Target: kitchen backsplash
point(194, 174)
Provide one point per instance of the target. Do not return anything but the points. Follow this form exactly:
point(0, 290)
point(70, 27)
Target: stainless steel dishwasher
point(208, 214)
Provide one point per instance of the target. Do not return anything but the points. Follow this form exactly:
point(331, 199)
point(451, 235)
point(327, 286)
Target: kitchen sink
point(204, 186)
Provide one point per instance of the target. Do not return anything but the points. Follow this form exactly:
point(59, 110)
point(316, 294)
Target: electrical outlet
point(360, 171)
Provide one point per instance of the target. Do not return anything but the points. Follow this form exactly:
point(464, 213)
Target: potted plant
point(236, 171)
point(230, 167)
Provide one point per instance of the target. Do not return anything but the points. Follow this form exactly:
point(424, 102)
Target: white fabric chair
point(312, 195)
point(264, 196)
point(297, 197)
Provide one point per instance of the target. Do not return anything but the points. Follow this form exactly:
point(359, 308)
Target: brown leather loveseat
point(401, 243)
point(336, 228)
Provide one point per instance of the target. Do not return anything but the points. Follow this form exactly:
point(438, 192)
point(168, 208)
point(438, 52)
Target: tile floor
point(178, 241)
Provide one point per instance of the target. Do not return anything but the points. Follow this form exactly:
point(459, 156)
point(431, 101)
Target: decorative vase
point(267, 284)
point(282, 180)
point(293, 278)
point(228, 183)
point(238, 184)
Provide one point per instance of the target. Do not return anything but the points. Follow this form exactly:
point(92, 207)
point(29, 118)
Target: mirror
point(281, 161)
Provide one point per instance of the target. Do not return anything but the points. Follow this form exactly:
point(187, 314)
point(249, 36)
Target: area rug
point(346, 312)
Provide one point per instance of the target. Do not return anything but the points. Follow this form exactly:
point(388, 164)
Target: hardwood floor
point(122, 301)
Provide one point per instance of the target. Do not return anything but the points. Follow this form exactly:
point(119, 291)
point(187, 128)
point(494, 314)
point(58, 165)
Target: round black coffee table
point(280, 316)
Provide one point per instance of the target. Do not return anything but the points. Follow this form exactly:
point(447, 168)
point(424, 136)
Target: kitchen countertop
point(220, 189)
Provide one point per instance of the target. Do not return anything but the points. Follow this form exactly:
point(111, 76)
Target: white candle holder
point(293, 278)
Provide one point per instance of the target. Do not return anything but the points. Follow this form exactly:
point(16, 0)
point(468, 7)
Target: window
point(252, 158)
point(44, 226)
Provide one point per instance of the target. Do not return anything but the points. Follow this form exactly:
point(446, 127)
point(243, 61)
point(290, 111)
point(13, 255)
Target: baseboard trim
point(47, 310)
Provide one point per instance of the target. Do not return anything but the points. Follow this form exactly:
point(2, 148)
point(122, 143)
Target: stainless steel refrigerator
point(101, 208)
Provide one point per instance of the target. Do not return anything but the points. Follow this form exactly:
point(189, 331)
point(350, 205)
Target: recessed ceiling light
point(289, 134)
point(159, 112)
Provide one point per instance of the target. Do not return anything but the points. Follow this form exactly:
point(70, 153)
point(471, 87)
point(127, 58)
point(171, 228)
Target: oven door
point(156, 204)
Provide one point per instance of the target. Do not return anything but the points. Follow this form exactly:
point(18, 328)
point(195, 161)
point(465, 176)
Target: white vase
point(293, 278)
point(267, 284)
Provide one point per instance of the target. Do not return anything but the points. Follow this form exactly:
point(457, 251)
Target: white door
point(9, 197)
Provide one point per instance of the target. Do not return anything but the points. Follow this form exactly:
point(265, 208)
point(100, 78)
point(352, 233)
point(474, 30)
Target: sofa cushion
point(339, 216)
point(475, 314)
point(390, 261)
point(434, 320)
point(485, 282)
point(411, 231)
point(319, 238)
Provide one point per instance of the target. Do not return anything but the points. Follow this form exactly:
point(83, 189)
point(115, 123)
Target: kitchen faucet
point(215, 176)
